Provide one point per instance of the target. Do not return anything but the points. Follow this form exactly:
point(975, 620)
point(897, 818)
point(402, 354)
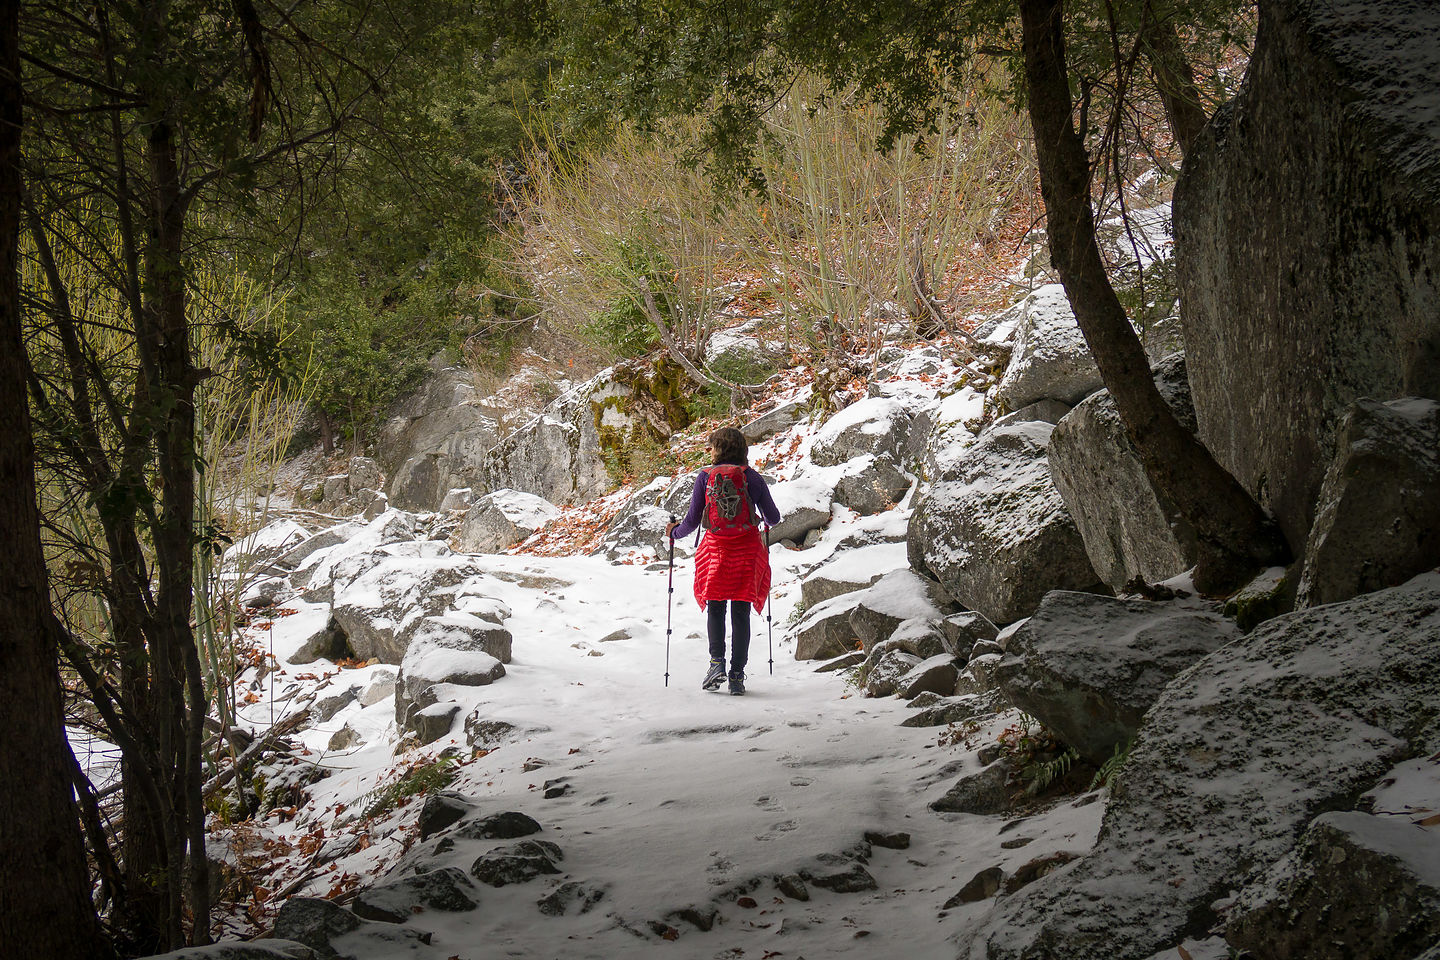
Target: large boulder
point(1358, 887)
point(1378, 521)
point(560, 455)
point(898, 596)
point(547, 457)
point(501, 519)
point(380, 607)
point(638, 527)
point(433, 439)
point(993, 529)
point(824, 631)
point(457, 650)
point(1089, 667)
point(1129, 530)
point(1237, 756)
point(1050, 360)
point(1304, 290)
point(804, 505)
point(874, 426)
point(871, 484)
point(847, 571)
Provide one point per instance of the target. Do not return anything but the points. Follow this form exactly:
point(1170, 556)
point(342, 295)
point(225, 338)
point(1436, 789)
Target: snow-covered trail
point(674, 797)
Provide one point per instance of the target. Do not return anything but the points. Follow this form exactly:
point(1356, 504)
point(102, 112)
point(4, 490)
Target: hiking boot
point(737, 684)
point(715, 676)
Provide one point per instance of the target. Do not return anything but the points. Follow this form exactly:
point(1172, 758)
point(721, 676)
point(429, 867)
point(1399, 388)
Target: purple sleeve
point(760, 496)
point(697, 506)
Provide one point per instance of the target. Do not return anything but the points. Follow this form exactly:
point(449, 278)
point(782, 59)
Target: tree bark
point(1174, 77)
point(45, 906)
point(1235, 534)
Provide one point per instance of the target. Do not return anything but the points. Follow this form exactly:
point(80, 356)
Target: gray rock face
point(898, 596)
point(1088, 667)
point(1312, 298)
point(435, 439)
point(780, 419)
point(874, 426)
point(984, 792)
point(993, 529)
point(1129, 531)
point(501, 519)
point(419, 482)
point(314, 922)
point(1358, 887)
point(558, 454)
point(1237, 756)
point(847, 571)
point(885, 667)
point(364, 475)
point(460, 649)
point(871, 484)
point(446, 889)
point(517, 863)
point(1378, 519)
point(1050, 360)
point(825, 630)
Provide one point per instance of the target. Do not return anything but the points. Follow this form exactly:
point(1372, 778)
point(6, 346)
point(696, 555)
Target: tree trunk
point(45, 907)
point(1174, 77)
point(1235, 535)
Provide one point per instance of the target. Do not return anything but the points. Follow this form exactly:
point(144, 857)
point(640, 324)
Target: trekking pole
point(669, 601)
point(770, 607)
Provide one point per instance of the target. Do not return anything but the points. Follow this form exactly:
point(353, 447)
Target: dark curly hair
point(729, 446)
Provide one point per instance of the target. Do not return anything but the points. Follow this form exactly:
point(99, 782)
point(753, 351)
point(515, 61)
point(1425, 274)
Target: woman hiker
point(733, 564)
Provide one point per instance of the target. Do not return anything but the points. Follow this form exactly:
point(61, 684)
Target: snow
point(678, 797)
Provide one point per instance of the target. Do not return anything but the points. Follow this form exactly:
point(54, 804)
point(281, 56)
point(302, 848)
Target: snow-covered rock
point(382, 597)
point(875, 426)
point(1238, 755)
point(1377, 521)
point(871, 484)
point(459, 650)
point(1129, 531)
point(804, 505)
point(446, 889)
point(1050, 359)
point(1089, 667)
point(825, 632)
point(849, 570)
point(639, 525)
point(501, 519)
point(885, 668)
point(993, 529)
point(1358, 887)
point(781, 418)
point(898, 596)
point(936, 675)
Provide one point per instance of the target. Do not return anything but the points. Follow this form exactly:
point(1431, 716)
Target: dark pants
point(739, 632)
